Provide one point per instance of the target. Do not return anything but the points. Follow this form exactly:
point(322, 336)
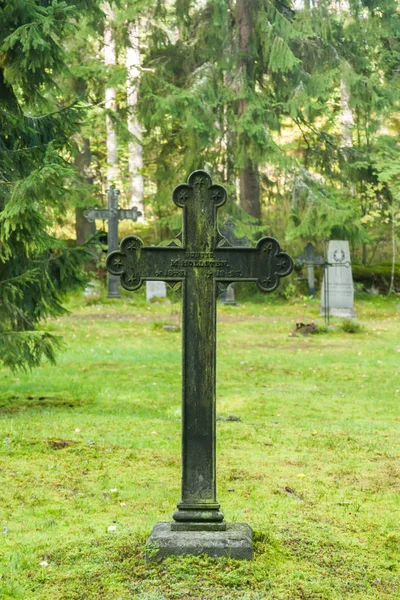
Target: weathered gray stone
point(228, 296)
point(337, 293)
point(234, 542)
point(310, 260)
point(155, 289)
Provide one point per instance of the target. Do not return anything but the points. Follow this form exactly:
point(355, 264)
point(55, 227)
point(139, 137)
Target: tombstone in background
point(203, 262)
point(227, 297)
point(337, 294)
point(92, 290)
point(310, 260)
point(112, 214)
point(155, 289)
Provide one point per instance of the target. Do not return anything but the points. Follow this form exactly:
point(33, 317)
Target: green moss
point(311, 463)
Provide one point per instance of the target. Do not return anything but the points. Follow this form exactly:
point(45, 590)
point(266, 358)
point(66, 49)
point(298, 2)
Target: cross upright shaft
point(203, 260)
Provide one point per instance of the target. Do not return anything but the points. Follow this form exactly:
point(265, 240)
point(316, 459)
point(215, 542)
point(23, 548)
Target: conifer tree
point(36, 269)
point(219, 90)
point(343, 149)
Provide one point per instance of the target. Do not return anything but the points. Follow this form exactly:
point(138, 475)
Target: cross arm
point(129, 213)
point(314, 261)
point(91, 214)
point(134, 263)
point(265, 264)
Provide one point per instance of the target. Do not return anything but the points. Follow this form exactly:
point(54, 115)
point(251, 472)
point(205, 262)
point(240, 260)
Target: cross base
point(234, 542)
point(198, 526)
point(202, 516)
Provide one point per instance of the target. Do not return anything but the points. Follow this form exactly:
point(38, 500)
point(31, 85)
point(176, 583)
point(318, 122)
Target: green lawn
point(312, 465)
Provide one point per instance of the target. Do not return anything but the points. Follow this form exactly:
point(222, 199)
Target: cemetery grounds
point(307, 454)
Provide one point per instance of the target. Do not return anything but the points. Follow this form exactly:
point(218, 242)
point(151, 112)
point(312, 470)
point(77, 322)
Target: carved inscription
point(206, 260)
point(200, 263)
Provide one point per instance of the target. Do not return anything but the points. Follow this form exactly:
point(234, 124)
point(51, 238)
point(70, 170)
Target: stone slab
point(235, 542)
point(155, 289)
point(228, 297)
point(339, 282)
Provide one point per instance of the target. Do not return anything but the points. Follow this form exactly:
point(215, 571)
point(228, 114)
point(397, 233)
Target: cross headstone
point(337, 296)
point(204, 262)
point(112, 214)
point(310, 260)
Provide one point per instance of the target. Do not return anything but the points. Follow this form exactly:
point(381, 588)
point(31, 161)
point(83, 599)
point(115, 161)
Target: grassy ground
point(312, 465)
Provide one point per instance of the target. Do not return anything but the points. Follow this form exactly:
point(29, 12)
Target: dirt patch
point(16, 403)
point(58, 444)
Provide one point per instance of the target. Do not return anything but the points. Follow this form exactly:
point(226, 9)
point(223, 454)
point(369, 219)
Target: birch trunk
point(346, 116)
point(110, 60)
point(135, 159)
point(391, 288)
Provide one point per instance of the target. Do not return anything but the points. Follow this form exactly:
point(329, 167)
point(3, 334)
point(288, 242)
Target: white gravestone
point(155, 289)
point(337, 287)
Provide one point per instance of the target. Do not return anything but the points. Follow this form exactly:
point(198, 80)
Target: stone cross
point(204, 262)
point(112, 214)
point(311, 260)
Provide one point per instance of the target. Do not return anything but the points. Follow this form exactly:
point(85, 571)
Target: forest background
point(293, 106)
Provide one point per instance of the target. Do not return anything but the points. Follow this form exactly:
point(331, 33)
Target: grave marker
point(112, 214)
point(204, 262)
point(337, 296)
point(155, 289)
point(310, 260)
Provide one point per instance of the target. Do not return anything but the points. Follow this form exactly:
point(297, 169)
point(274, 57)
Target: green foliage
point(351, 326)
point(36, 269)
point(312, 465)
point(376, 276)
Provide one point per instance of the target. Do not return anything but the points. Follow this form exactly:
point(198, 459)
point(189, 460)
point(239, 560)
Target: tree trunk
point(346, 115)
point(250, 190)
point(249, 183)
point(110, 59)
point(83, 228)
point(391, 288)
point(364, 254)
point(135, 161)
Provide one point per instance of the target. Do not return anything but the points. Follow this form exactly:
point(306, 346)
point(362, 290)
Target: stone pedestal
point(337, 293)
point(234, 542)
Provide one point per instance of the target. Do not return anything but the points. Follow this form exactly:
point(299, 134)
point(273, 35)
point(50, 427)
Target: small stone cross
point(310, 260)
point(205, 263)
point(112, 214)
